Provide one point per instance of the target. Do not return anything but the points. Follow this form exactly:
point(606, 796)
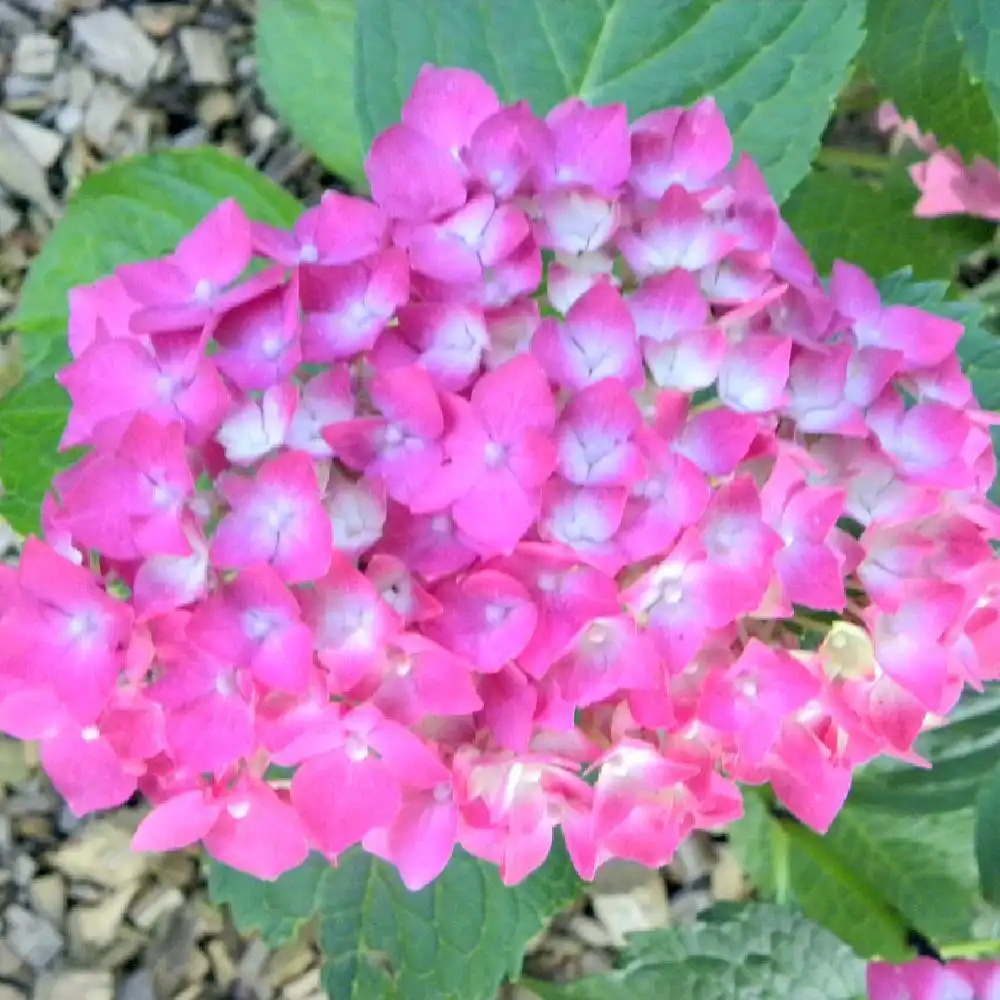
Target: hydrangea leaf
point(745, 952)
point(136, 209)
point(934, 83)
point(455, 940)
point(274, 910)
point(977, 23)
point(32, 417)
point(774, 68)
point(878, 880)
point(871, 223)
point(988, 835)
point(963, 753)
point(305, 55)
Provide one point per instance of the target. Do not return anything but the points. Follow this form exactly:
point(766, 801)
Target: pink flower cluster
point(549, 488)
point(948, 186)
point(927, 979)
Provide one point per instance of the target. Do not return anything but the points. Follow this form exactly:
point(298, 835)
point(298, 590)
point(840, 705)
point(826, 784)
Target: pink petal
point(258, 833)
point(340, 799)
point(421, 839)
point(447, 105)
point(86, 771)
point(411, 177)
point(590, 145)
point(176, 823)
point(513, 398)
point(218, 248)
point(508, 148)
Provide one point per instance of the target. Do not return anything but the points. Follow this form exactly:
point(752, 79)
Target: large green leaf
point(305, 54)
point(988, 835)
point(775, 68)
point(32, 417)
point(871, 223)
point(977, 23)
point(455, 940)
point(918, 62)
point(135, 209)
point(753, 952)
point(963, 752)
point(275, 910)
point(874, 879)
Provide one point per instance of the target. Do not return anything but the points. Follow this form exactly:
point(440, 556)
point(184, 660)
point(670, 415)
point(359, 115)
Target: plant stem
point(838, 156)
point(971, 949)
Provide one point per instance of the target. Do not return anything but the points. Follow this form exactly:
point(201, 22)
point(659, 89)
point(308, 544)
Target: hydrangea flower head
point(550, 488)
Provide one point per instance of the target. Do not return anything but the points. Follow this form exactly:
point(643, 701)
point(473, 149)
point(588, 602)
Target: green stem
point(971, 949)
point(838, 156)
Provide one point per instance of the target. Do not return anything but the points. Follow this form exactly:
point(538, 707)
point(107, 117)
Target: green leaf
point(274, 910)
point(305, 56)
point(455, 940)
point(988, 835)
point(917, 61)
point(32, 417)
point(977, 23)
point(775, 68)
point(874, 878)
point(871, 224)
point(962, 752)
point(758, 952)
point(136, 209)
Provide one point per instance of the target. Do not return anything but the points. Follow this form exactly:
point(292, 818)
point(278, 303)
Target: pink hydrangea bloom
point(484, 542)
point(947, 184)
point(927, 979)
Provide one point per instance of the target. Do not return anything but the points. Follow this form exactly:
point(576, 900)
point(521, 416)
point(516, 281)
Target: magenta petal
point(812, 575)
point(284, 659)
point(210, 733)
point(176, 823)
point(421, 840)
point(219, 247)
point(258, 833)
point(411, 177)
point(86, 771)
point(447, 105)
point(340, 799)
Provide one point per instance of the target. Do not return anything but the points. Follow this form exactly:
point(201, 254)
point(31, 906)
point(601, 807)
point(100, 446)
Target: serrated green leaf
point(32, 417)
point(136, 209)
point(759, 952)
point(918, 62)
point(455, 940)
point(775, 68)
point(871, 223)
point(274, 910)
point(977, 24)
point(988, 835)
point(962, 752)
point(305, 55)
point(873, 878)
